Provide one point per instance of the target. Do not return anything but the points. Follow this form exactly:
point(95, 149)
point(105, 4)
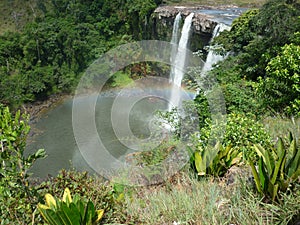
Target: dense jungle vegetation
point(250, 177)
point(49, 55)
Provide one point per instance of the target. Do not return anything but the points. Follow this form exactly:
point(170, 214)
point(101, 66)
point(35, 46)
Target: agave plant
point(217, 160)
point(69, 211)
point(277, 168)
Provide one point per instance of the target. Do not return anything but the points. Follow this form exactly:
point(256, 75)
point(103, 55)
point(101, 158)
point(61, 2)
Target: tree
point(258, 35)
point(281, 87)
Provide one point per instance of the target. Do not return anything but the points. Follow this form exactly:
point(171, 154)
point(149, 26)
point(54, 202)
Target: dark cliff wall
point(202, 25)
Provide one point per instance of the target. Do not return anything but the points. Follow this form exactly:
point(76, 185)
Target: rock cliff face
point(202, 25)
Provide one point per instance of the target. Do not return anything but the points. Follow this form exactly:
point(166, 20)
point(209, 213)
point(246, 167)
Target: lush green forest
point(265, 59)
point(49, 55)
point(251, 176)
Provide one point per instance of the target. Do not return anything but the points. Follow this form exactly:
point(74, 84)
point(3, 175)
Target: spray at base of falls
point(180, 61)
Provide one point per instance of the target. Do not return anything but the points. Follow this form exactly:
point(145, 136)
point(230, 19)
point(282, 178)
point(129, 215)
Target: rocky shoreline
point(37, 108)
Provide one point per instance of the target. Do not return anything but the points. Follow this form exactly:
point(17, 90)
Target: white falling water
point(212, 58)
point(180, 60)
point(174, 43)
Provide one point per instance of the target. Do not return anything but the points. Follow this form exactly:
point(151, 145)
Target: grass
point(208, 201)
point(281, 126)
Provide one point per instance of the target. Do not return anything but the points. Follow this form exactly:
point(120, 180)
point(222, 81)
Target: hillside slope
point(14, 14)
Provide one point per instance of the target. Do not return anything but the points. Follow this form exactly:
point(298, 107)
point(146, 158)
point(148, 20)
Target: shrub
point(242, 131)
point(278, 168)
point(280, 89)
point(212, 154)
point(69, 211)
point(17, 197)
point(216, 161)
point(92, 188)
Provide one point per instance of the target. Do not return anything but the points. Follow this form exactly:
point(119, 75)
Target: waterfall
point(212, 58)
point(180, 60)
point(174, 43)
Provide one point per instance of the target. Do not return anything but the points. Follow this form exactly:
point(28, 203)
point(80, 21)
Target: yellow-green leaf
point(99, 215)
point(67, 196)
point(50, 200)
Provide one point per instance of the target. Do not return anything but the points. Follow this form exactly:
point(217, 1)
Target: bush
point(278, 168)
point(280, 89)
point(90, 188)
point(17, 197)
point(69, 210)
point(216, 161)
point(242, 131)
point(210, 154)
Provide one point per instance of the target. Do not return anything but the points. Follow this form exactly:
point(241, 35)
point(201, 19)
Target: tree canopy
point(50, 54)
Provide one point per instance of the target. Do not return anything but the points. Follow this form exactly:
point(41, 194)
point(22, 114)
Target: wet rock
point(202, 23)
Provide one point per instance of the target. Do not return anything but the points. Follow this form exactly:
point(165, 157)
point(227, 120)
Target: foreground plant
point(216, 161)
point(278, 168)
point(17, 196)
point(69, 211)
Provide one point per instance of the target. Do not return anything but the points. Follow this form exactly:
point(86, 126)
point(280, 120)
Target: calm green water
point(54, 130)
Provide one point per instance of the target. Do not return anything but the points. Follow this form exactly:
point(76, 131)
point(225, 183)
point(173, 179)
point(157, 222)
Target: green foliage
point(69, 211)
point(258, 34)
point(278, 168)
point(240, 34)
point(265, 46)
point(139, 12)
point(208, 154)
point(281, 87)
point(120, 79)
point(16, 195)
point(278, 20)
point(216, 161)
point(155, 156)
point(90, 188)
point(239, 93)
point(242, 131)
point(52, 52)
point(202, 107)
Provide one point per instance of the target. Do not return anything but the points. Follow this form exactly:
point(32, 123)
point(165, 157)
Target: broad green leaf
point(200, 164)
point(256, 177)
point(70, 215)
point(51, 217)
point(43, 210)
point(80, 206)
point(64, 219)
point(266, 158)
point(295, 160)
point(281, 155)
point(89, 213)
point(263, 176)
point(275, 192)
